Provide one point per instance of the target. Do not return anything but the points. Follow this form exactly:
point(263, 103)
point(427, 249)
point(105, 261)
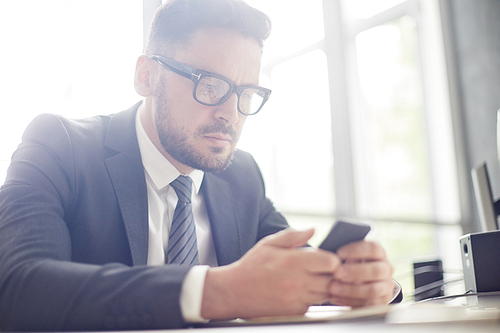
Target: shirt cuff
point(192, 294)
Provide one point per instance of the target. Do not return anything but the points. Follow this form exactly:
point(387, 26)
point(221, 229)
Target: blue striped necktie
point(182, 245)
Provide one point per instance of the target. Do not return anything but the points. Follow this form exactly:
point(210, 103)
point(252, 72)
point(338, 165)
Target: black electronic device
point(428, 279)
point(480, 261)
point(343, 233)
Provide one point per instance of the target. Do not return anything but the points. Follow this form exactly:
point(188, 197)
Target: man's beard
point(176, 143)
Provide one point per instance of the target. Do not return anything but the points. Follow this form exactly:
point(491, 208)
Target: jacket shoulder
point(51, 126)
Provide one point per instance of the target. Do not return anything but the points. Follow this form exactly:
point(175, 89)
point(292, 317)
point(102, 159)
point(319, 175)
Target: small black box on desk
point(481, 261)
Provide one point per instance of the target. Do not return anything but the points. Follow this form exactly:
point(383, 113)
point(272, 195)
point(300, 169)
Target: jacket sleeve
point(40, 287)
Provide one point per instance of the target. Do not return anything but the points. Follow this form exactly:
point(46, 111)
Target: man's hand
point(276, 277)
point(364, 278)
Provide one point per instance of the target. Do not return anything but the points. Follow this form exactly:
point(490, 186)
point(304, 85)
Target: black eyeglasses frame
point(195, 75)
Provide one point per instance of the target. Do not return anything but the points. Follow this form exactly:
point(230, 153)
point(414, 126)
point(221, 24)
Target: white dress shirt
point(162, 200)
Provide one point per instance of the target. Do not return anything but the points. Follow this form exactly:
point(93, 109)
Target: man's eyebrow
point(224, 76)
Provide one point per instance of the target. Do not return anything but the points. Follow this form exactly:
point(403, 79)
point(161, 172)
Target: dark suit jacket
point(74, 228)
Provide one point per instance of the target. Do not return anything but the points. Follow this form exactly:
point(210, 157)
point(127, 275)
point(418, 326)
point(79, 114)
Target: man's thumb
point(289, 238)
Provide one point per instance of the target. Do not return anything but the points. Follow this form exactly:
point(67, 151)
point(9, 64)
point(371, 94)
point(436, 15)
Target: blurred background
point(380, 107)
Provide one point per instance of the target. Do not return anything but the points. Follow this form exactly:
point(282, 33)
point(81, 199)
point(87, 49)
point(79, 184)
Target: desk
point(456, 315)
point(369, 326)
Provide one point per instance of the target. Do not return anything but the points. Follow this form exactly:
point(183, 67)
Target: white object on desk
point(436, 313)
point(484, 198)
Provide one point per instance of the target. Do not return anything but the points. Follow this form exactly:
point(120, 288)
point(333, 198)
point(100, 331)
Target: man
point(90, 207)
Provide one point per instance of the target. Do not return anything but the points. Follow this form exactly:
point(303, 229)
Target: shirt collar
point(158, 167)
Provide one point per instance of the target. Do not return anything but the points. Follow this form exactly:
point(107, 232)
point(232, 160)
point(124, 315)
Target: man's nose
point(228, 111)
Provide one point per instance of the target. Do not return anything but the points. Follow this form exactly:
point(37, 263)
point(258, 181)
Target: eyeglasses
point(212, 89)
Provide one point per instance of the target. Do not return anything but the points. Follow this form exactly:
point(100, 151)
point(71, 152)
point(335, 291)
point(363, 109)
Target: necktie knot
point(182, 186)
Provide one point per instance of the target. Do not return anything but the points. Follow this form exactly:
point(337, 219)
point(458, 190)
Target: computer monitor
point(498, 134)
point(488, 208)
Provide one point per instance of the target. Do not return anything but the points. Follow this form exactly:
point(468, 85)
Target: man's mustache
point(218, 127)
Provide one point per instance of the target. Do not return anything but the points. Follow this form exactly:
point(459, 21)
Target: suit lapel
point(223, 219)
point(127, 175)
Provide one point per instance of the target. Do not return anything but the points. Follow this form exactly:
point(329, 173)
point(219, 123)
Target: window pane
point(295, 25)
point(361, 9)
point(290, 137)
point(393, 172)
point(427, 242)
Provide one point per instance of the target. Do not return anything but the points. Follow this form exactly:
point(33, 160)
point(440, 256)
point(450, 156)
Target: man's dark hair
point(177, 20)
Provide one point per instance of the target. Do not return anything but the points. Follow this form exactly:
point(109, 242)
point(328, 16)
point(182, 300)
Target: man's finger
point(288, 238)
point(317, 298)
point(364, 271)
point(374, 290)
point(316, 261)
point(366, 250)
point(320, 283)
point(356, 302)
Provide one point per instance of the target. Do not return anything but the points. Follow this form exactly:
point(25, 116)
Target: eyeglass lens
point(211, 90)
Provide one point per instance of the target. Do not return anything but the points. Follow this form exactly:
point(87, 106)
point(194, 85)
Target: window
point(360, 113)
point(71, 57)
point(390, 123)
point(405, 169)
point(291, 138)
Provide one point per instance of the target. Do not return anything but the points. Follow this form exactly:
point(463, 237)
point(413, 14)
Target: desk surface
point(372, 326)
point(464, 314)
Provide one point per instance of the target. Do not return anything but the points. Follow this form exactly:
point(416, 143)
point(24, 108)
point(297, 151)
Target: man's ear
point(143, 76)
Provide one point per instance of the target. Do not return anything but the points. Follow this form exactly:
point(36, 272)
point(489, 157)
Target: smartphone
point(343, 233)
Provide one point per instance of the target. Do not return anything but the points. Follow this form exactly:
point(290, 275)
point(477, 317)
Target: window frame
point(340, 34)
